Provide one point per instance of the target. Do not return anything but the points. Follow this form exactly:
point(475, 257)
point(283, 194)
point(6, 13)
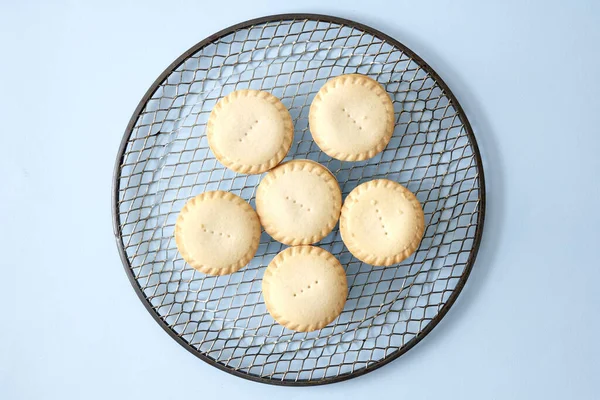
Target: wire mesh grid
point(165, 160)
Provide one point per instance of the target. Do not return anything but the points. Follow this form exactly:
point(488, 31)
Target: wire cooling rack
point(164, 160)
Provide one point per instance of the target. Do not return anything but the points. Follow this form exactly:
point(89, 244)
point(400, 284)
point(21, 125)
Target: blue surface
point(526, 325)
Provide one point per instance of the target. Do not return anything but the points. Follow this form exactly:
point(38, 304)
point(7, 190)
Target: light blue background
point(526, 325)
